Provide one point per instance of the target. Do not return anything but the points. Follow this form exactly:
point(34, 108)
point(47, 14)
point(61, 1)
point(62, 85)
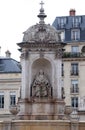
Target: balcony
point(74, 90)
point(74, 72)
point(72, 55)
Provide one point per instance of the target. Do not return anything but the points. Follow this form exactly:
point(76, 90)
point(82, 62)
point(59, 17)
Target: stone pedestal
point(74, 120)
point(42, 109)
point(25, 109)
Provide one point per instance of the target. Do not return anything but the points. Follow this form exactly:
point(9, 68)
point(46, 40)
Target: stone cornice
point(10, 80)
point(38, 44)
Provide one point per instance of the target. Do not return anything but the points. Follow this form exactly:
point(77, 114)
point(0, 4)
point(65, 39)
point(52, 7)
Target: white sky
point(18, 15)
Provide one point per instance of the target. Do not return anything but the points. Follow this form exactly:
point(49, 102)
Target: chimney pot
point(72, 12)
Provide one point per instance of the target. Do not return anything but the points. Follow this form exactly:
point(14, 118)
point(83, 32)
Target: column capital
point(58, 53)
point(25, 54)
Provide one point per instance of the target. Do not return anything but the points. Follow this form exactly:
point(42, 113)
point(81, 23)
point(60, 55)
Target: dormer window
point(76, 21)
point(61, 22)
point(75, 34)
point(62, 35)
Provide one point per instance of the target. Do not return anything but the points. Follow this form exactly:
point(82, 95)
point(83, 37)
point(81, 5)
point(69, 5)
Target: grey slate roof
point(70, 23)
point(9, 65)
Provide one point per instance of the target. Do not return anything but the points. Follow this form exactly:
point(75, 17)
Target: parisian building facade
point(10, 82)
point(72, 29)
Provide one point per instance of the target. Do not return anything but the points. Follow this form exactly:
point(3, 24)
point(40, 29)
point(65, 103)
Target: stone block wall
point(40, 125)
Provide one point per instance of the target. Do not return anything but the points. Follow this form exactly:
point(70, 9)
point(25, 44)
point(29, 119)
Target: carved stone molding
point(25, 54)
point(58, 53)
point(41, 53)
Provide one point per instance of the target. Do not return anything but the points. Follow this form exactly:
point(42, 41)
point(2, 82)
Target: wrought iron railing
point(74, 72)
point(72, 55)
point(74, 90)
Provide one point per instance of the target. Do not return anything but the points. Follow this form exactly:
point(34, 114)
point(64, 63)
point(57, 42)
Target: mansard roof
point(9, 65)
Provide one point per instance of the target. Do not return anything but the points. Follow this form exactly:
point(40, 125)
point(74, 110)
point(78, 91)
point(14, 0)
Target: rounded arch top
point(41, 64)
point(46, 58)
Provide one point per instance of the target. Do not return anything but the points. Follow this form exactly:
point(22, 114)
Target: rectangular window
point(74, 86)
point(62, 69)
point(74, 69)
point(12, 98)
point(74, 102)
point(76, 21)
point(1, 100)
point(75, 34)
point(61, 22)
point(62, 34)
point(74, 49)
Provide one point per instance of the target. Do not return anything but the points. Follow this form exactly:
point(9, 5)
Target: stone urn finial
point(68, 111)
point(14, 109)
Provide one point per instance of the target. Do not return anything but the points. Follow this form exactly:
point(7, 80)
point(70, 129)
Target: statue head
point(41, 72)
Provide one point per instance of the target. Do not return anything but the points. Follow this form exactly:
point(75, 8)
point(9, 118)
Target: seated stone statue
point(41, 86)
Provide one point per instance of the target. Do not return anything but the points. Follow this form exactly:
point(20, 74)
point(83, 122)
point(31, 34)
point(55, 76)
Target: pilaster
point(25, 74)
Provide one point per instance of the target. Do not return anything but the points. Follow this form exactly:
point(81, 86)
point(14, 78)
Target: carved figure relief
point(41, 86)
point(58, 53)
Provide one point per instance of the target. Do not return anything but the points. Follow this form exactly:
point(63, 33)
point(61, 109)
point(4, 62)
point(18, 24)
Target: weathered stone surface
point(43, 33)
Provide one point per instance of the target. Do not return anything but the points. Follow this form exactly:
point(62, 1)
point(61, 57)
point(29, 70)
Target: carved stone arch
point(41, 63)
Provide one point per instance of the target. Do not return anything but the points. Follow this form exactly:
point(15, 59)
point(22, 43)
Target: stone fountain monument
point(41, 59)
point(41, 104)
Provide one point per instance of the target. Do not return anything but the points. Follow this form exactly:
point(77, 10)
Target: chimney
point(8, 54)
point(72, 12)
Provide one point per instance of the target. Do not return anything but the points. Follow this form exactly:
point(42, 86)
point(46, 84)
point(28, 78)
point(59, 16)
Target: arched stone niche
point(43, 64)
point(42, 67)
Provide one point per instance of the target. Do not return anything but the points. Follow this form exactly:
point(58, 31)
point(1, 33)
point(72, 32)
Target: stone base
point(42, 109)
point(41, 125)
point(23, 116)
